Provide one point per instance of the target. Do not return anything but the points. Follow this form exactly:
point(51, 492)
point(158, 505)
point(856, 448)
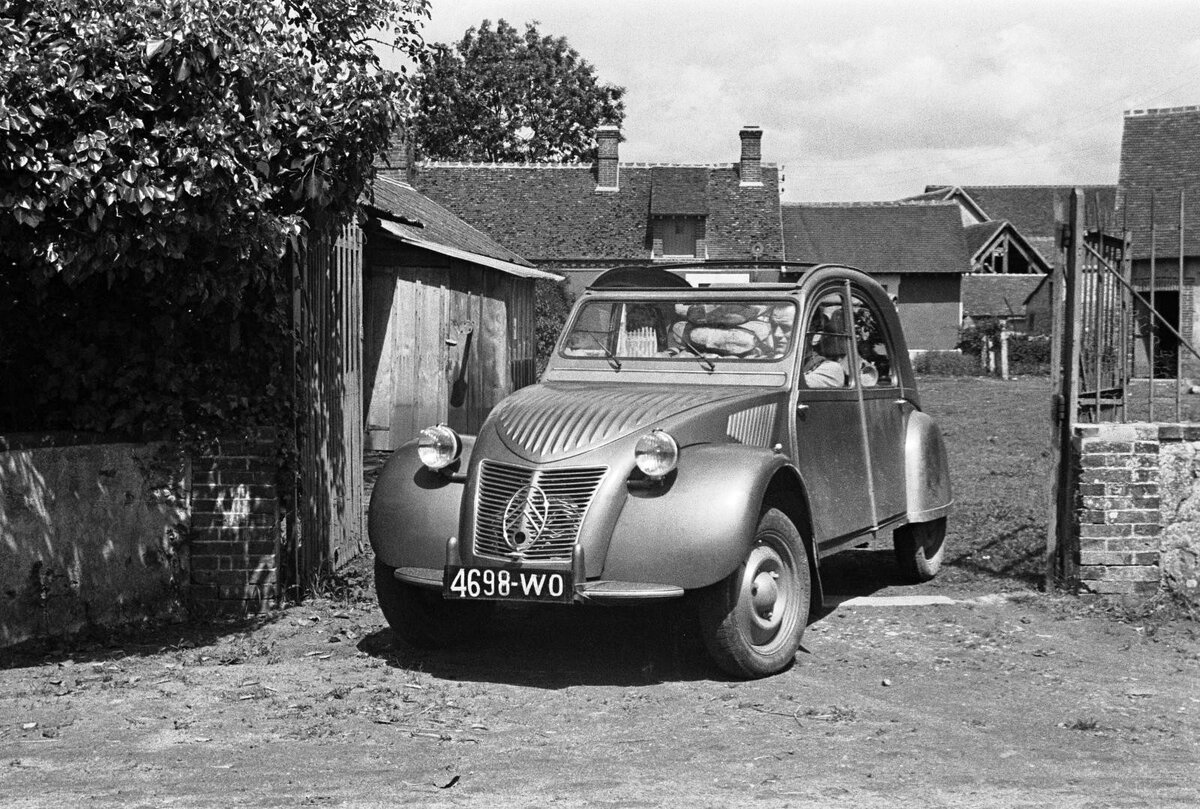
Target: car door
point(831, 449)
point(884, 408)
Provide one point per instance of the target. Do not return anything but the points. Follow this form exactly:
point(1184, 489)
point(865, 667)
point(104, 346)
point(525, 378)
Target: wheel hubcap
point(767, 594)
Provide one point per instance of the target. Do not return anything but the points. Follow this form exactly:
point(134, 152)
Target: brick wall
point(1137, 509)
point(235, 533)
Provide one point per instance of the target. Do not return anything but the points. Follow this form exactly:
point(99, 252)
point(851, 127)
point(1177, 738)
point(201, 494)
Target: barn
point(448, 318)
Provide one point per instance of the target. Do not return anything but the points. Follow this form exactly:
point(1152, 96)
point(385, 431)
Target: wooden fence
point(328, 317)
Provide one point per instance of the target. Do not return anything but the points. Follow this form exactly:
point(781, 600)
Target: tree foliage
point(139, 134)
point(156, 159)
point(552, 305)
point(498, 95)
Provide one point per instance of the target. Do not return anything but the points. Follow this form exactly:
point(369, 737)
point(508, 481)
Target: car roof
point(643, 277)
point(662, 276)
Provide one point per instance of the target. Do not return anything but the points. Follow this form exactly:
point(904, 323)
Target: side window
point(873, 344)
point(827, 344)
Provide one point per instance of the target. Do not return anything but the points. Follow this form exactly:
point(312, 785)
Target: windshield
point(716, 329)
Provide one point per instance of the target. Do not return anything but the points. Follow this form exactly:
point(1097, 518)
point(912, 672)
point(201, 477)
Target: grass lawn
point(998, 437)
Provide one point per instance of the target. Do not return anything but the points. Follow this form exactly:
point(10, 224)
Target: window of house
point(681, 236)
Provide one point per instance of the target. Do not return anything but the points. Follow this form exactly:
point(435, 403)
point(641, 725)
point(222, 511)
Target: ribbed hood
point(546, 423)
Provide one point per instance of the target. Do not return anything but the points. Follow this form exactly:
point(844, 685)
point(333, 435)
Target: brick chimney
point(751, 163)
point(397, 160)
point(607, 172)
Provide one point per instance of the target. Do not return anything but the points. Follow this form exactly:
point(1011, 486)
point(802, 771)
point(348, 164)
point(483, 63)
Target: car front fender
point(927, 473)
point(414, 510)
point(694, 528)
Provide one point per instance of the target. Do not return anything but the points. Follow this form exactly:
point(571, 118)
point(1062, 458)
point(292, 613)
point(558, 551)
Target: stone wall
point(1137, 515)
point(109, 534)
point(89, 535)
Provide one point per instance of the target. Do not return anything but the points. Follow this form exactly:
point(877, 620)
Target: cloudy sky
point(872, 100)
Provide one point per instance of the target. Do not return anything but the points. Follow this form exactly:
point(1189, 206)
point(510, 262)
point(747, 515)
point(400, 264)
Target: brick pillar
point(233, 541)
point(608, 176)
point(750, 167)
point(1118, 509)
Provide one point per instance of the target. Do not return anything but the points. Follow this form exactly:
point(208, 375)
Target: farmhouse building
point(917, 251)
point(1000, 298)
point(581, 219)
point(1159, 176)
point(1032, 212)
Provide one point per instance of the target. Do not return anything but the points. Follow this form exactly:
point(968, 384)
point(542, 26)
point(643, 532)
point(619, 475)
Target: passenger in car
point(823, 366)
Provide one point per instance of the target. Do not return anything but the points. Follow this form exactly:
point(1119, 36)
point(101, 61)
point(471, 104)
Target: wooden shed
point(448, 318)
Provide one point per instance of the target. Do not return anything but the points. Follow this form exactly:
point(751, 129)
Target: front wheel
point(919, 548)
point(421, 617)
point(752, 621)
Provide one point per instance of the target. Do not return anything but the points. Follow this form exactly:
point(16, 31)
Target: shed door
point(411, 390)
point(438, 350)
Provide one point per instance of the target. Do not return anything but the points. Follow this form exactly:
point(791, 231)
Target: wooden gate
point(1109, 305)
point(328, 316)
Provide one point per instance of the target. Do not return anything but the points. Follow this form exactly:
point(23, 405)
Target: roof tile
point(878, 237)
point(426, 220)
point(997, 295)
point(552, 214)
point(1160, 158)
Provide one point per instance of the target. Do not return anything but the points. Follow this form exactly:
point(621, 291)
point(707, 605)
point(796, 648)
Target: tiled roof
point(1040, 253)
point(678, 191)
point(878, 237)
point(554, 214)
point(997, 295)
point(979, 235)
point(1030, 208)
point(1160, 152)
point(950, 193)
point(425, 220)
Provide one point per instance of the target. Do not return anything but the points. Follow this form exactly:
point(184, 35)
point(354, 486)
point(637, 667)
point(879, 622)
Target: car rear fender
point(694, 528)
point(927, 474)
point(414, 510)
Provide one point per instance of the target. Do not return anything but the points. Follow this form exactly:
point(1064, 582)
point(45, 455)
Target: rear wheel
point(753, 620)
point(421, 617)
point(920, 547)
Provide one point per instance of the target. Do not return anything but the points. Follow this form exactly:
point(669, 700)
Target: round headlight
point(438, 446)
point(656, 454)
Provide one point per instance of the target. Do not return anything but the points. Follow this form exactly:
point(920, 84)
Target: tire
point(920, 547)
point(752, 621)
point(421, 617)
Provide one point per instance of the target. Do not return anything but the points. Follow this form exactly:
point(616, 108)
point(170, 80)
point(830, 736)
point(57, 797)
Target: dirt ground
point(994, 699)
point(999, 697)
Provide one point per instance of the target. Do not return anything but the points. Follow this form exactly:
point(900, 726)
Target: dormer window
point(678, 211)
point(679, 237)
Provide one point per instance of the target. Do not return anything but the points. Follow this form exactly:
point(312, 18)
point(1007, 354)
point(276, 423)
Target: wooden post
point(1004, 348)
point(1065, 400)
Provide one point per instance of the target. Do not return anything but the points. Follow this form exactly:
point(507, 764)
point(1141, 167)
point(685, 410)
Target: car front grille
point(548, 504)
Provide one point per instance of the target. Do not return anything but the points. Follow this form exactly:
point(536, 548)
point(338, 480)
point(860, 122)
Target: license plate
point(501, 584)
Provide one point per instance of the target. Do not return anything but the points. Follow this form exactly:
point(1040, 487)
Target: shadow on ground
point(554, 647)
point(236, 639)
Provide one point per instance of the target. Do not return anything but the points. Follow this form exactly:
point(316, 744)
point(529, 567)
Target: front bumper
point(597, 591)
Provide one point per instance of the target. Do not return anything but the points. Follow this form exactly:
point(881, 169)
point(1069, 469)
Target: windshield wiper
point(612, 358)
point(705, 362)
